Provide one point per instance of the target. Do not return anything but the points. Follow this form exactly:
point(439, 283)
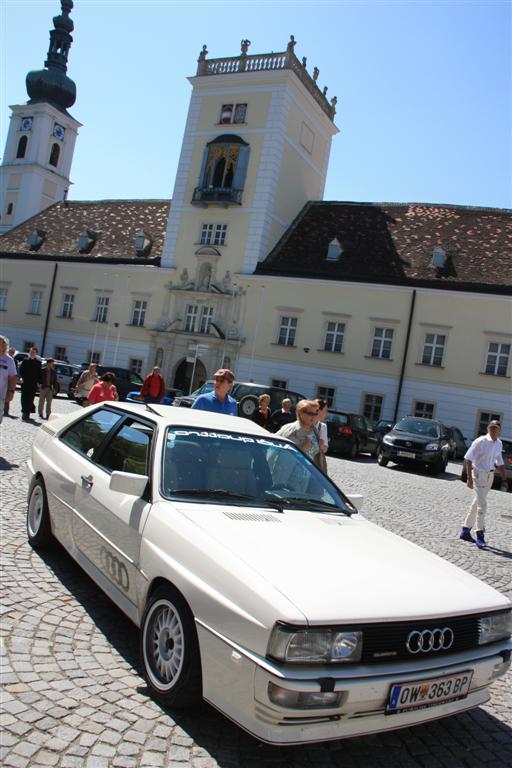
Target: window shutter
point(241, 168)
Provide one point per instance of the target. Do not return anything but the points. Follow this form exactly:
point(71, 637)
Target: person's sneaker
point(465, 535)
point(480, 541)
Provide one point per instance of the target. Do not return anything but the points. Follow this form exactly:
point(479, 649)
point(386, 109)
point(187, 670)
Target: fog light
point(284, 697)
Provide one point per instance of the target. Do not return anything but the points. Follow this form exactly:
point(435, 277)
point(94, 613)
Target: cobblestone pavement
point(73, 694)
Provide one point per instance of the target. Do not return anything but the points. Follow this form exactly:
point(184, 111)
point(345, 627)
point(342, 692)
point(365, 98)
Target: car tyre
point(438, 466)
point(39, 530)
point(248, 406)
point(169, 650)
point(382, 461)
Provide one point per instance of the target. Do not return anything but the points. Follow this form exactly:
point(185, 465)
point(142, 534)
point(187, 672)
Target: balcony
point(224, 196)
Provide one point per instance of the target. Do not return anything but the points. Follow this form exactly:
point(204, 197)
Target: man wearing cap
point(481, 459)
point(48, 387)
point(219, 401)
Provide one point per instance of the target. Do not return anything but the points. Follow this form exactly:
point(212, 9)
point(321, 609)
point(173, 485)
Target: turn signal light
point(345, 430)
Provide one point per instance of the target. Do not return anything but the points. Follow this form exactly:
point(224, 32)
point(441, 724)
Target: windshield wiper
point(300, 501)
point(211, 494)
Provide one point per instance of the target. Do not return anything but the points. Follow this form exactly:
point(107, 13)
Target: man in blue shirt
point(218, 401)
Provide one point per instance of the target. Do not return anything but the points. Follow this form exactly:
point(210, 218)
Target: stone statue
point(316, 72)
point(244, 46)
point(203, 54)
point(205, 275)
point(226, 281)
point(325, 91)
point(184, 278)
point(291, 45)
point(304, 62)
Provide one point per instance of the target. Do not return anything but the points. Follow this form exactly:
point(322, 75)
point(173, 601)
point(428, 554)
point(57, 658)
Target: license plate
point(406, 454)
point(427, 693)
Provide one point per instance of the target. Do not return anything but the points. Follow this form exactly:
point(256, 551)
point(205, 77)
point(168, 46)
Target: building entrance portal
point(183, 376)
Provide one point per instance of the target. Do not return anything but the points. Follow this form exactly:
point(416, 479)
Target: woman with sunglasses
point(303, 431)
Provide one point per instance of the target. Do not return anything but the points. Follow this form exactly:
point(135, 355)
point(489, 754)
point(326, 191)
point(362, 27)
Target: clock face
point(58, 131)
point(26, 124)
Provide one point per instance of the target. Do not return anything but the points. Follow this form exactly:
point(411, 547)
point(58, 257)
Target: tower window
point(223, 171)
point(54, 155)
point(22, 147)
point(233, 113)
point(10, 208)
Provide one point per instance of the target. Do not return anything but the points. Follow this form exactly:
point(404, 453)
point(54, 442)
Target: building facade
point(384, 309)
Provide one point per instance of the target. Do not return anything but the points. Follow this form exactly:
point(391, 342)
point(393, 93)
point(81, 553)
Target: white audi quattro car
point(253, 581)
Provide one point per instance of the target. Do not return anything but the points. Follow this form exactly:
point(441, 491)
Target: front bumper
point(398, 455)
point(237, 683)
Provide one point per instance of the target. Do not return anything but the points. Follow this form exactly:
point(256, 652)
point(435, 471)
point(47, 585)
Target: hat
point(50, 359)
point(494, 423)
point(224, 373)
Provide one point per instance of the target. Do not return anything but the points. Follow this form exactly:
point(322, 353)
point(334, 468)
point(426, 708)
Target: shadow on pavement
point(455, 740)
point(4, 464)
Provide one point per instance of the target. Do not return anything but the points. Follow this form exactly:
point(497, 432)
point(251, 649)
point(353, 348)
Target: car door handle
point(87, 480)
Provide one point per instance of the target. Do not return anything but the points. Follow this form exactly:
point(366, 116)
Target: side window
point(86, 435)
point(128, 450)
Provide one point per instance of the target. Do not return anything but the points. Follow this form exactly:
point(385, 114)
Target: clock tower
point(40, 143)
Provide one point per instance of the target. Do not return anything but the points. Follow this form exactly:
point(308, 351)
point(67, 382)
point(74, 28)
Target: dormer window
point(334, 250)
point(438, 257)
point(223, 171)
point(36, 239)
point(87, 240)
point(142, 244)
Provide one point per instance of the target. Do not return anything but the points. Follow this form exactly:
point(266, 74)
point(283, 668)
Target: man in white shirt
point(7, 375)
point(481, 459)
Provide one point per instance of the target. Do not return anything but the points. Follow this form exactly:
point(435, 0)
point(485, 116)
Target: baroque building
point(384, 309)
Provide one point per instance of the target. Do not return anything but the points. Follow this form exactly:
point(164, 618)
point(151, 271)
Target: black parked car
point(246, 394)
point(125, 380)
point(383, 426)
point(414, 440)
point(350, 434)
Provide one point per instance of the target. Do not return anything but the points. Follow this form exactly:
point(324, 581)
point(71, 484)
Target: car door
point(108, 525)
point(69, 458)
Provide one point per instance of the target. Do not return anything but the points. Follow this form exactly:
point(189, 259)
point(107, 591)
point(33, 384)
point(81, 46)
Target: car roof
point(171, 416)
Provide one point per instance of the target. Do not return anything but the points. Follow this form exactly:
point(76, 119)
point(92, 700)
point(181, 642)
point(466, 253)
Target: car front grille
point(382, 642)
point(409, 445)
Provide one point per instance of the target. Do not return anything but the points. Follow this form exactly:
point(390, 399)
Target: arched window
point(22, 147)
point(223, 170)
point(54, 155)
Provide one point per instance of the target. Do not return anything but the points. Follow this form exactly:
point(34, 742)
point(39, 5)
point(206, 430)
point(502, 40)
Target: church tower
point(41, 139)
point(256, 149)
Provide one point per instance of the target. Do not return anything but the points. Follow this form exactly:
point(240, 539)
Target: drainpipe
point(404, 359)
point(47, 319)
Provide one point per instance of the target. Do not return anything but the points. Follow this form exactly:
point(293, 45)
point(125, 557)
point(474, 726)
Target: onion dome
point(51, 84)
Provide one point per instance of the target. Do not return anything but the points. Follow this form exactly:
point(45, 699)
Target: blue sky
point(424, 88)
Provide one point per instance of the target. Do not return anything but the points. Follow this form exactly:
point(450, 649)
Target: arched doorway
point(183, 376)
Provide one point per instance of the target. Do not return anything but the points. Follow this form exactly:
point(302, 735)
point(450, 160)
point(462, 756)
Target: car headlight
point(432, 447)
point(387, 440)
point(498, 626)
point(314, 646)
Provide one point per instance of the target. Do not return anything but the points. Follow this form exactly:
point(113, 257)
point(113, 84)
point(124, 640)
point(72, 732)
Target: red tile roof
point(116, 222)
point(393, 243)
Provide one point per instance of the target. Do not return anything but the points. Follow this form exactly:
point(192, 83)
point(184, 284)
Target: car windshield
point(417, 427)
point(230, 467)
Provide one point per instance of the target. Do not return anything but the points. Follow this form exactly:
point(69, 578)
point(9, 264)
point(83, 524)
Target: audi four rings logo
point(115, 569)
point(429, 640)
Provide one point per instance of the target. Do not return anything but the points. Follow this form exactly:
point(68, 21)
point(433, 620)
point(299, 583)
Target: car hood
point(412, 437)
point(333, 567)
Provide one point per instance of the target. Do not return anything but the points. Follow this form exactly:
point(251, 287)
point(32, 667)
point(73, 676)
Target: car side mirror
point(128, 483)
